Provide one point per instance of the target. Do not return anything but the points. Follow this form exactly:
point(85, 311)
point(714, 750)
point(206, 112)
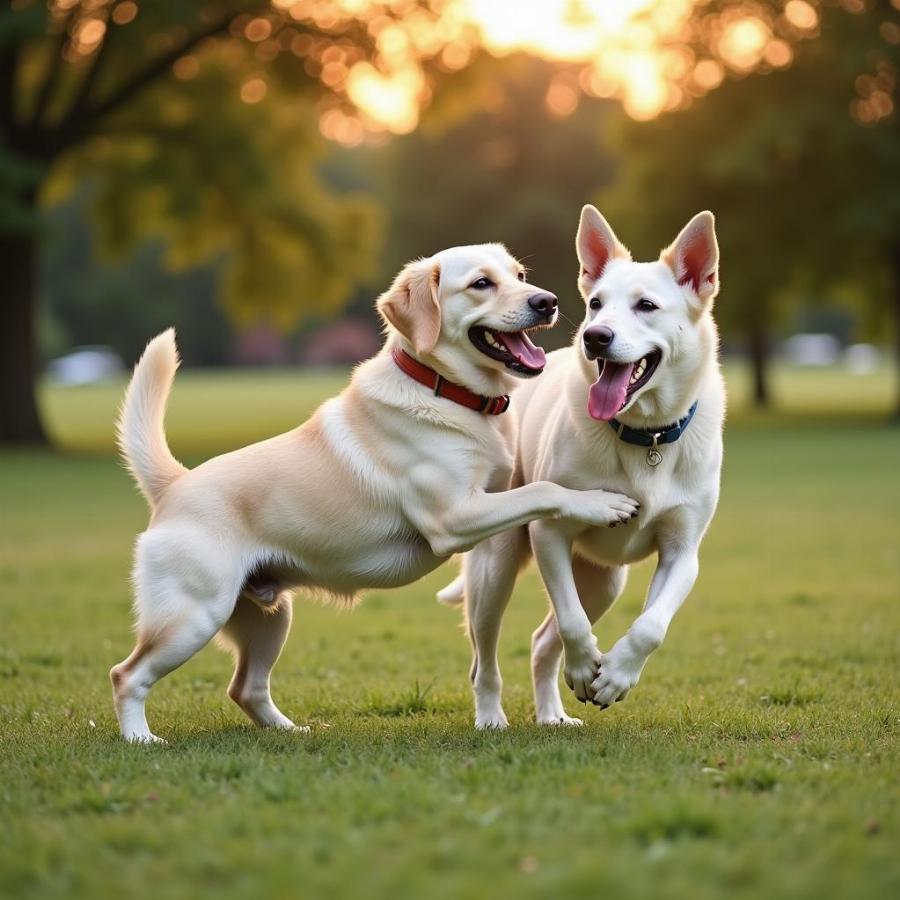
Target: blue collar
point(646, 437)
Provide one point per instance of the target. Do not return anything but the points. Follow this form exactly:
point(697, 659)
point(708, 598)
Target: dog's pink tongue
point(519, 344)
point(608, 391)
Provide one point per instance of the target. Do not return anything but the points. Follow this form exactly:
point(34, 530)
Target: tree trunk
point(759, 356)
point(20, 421)
point(895, 260)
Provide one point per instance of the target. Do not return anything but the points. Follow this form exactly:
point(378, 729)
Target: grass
point(758, 756)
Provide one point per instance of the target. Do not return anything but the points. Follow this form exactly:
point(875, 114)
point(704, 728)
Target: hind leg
point(256, 637)
point(182, 598)
point(598, 588)
point(160, 650)
point(490, 571)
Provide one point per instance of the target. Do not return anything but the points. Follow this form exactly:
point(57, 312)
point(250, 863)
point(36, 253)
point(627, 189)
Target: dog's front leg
point(454, 521)
point(552, 546)
point(621, 667)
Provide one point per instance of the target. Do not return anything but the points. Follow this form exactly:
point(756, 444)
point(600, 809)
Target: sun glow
point(621, 43)
point(651, 55)
point(391, 100)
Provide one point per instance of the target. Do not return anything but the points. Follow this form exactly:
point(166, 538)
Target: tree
point(158, 105)
point(507, 171)
point(81, 294)
point(801, 165)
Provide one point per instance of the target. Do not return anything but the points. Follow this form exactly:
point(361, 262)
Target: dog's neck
point(669, 400)
point(487, 382)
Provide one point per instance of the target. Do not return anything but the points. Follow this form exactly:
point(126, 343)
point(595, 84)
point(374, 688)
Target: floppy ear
point(694, 256)
point(411, 304)
point(596, 243)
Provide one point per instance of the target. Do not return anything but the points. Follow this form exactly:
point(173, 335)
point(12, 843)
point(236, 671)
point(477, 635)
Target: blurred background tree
point(513, 170)
point(240, 162)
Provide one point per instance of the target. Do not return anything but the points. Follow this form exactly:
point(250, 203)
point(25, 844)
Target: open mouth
point(513, 348)
point(613, 390)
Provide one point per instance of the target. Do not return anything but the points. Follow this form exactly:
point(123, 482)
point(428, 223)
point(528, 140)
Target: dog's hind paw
point(148, 738)
point(493, 721)
point(558, 720)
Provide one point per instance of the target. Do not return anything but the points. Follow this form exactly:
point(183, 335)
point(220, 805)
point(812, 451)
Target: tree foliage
point(506, 171)
point(800, 165)
point(198, 124)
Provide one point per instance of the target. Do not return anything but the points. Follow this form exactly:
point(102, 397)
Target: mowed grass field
point(757, 757)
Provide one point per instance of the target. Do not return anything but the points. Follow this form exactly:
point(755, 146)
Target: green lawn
point(757, 758)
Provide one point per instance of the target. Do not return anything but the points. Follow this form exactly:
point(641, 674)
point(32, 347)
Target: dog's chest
point(617, 546)
point(660, 489)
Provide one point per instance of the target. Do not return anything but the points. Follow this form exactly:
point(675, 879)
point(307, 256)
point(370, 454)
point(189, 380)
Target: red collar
point(490, 406)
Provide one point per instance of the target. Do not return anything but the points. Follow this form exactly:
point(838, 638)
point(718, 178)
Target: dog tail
point(454, 593)
point(139, 430)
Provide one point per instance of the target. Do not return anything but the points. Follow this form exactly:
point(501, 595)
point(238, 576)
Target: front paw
point(603, 508)
point(617, 676)
point(582, 668)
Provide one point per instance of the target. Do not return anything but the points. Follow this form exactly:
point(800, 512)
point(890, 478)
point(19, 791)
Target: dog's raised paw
point(611, 685)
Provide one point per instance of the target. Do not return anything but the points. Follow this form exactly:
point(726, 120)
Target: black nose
point(597, 339)
point(544, 303)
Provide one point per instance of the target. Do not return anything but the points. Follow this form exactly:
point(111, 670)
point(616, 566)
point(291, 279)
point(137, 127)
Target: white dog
point(383, 483)
point(636, 405)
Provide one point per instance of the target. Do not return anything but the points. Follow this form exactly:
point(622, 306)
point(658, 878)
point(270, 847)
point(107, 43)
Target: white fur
point(585, 567)
point(381, 485)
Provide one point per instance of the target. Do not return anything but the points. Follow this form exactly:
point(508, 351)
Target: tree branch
point(54, 70)
point(76, 127)
point(150, 73)
point(80, 102)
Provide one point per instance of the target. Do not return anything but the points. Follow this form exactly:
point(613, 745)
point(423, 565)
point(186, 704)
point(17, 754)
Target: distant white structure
point(86, 365)
point(812, 350)
point(820, 350)
point(861, 359)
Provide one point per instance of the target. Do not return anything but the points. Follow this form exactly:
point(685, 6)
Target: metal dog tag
point(654, 457)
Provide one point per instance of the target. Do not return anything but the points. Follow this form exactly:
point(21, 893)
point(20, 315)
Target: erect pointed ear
point(596, 243)
point(694, 256)
point(411, 304)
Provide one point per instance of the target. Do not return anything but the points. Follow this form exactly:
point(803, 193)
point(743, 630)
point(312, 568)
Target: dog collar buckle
point(494, 406)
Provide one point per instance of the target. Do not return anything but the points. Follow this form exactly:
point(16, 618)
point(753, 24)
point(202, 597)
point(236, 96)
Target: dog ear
point(596, 243)
point(694, 256)
point(411, 304)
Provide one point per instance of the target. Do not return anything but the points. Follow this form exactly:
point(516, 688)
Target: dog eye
point(595, 303)
point(645, 305)
point(521, 276)
point(481, 284)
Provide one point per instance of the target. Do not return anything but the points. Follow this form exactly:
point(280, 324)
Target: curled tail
point(139, 431)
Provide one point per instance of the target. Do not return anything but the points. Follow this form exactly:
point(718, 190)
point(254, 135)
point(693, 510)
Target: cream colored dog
point(379, 487)
point(644, 361)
